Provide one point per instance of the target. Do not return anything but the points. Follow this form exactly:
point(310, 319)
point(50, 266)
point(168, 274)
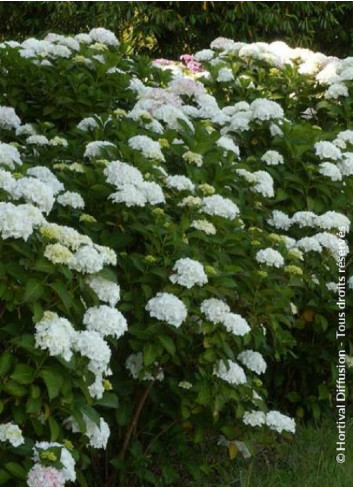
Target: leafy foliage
point(175, 377)
point(167, 28)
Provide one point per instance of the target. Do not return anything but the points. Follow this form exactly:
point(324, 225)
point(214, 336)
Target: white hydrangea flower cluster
point(71, 199)
point(87, 124)
point(38, 140)
point(193, 158)
point(182, 85)
point(58, 254)
point(8, 118)
point(188, 273)
point(214, 310)
point(94, 148)
point(204, 55)
point(232, 374)
point(265, 110)
point(263, 183)
point(270, 257)
point(87, 257)
point(6, 180)
point(279, 220)
point(309, 244)
point(65, 235)
point(344, 138)
point(41, 49)
point(25, 130)
point(329, 220)
point(91, 259)
point(43, 52)
point(333, 244)
point(235, 324)
point(119, 173)
point(12, 433)
point(158, 104)
point(149, 148)
point(90, 344)
point(179, 182)
point(225, 75)
point(280, 422)
point(253, 361)
point(217, 311)
point(19, 221)
point(167, 307)
point(133, 190)
point(228, 144)
point(55, 334)
point(58, 141)
point(261, 180)
point(331, 171)
point(254, 418)
point(326, 150)
point(272, 158)
point(9, 156)
point(35, 192)
point(275, 420)
point(106, 320)
point(204, 226)
point(106, 290)
point(216, 205)
point(97, 435)
point(103, 36)
point(46, 176)
point(336, 90)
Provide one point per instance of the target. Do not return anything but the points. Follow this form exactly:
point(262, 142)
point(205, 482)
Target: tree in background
point(170, 28)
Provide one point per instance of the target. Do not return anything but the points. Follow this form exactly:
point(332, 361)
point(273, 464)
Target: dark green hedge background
point(171, 28)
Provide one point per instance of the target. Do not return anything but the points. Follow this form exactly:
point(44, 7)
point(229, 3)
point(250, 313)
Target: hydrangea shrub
point(169, 238)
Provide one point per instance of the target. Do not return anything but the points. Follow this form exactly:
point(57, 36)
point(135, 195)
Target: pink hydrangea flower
point(40, 476)
point(191, 63)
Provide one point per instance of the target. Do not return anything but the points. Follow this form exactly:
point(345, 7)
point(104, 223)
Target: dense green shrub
point(170, 28)
point(226, 180)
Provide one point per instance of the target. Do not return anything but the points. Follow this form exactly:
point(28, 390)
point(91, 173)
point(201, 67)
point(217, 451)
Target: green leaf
point(35, 391)
point(64, 295)
point(150, 353)
point(37, 312)
point(81, 479)
point(167, 343)
point(16, 470)
point(14, 388)
point(53, 380)
point(293, 397)
point(43, 265)
point(5, 363)
point(23, 374)
point(33, 405)
point(33, 291)
point(55, 429)
point(26, 341)
point(109, 399)
point(4, 477)
point(89, 411)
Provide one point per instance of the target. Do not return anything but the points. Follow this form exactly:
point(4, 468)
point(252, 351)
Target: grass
point(309, 461)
